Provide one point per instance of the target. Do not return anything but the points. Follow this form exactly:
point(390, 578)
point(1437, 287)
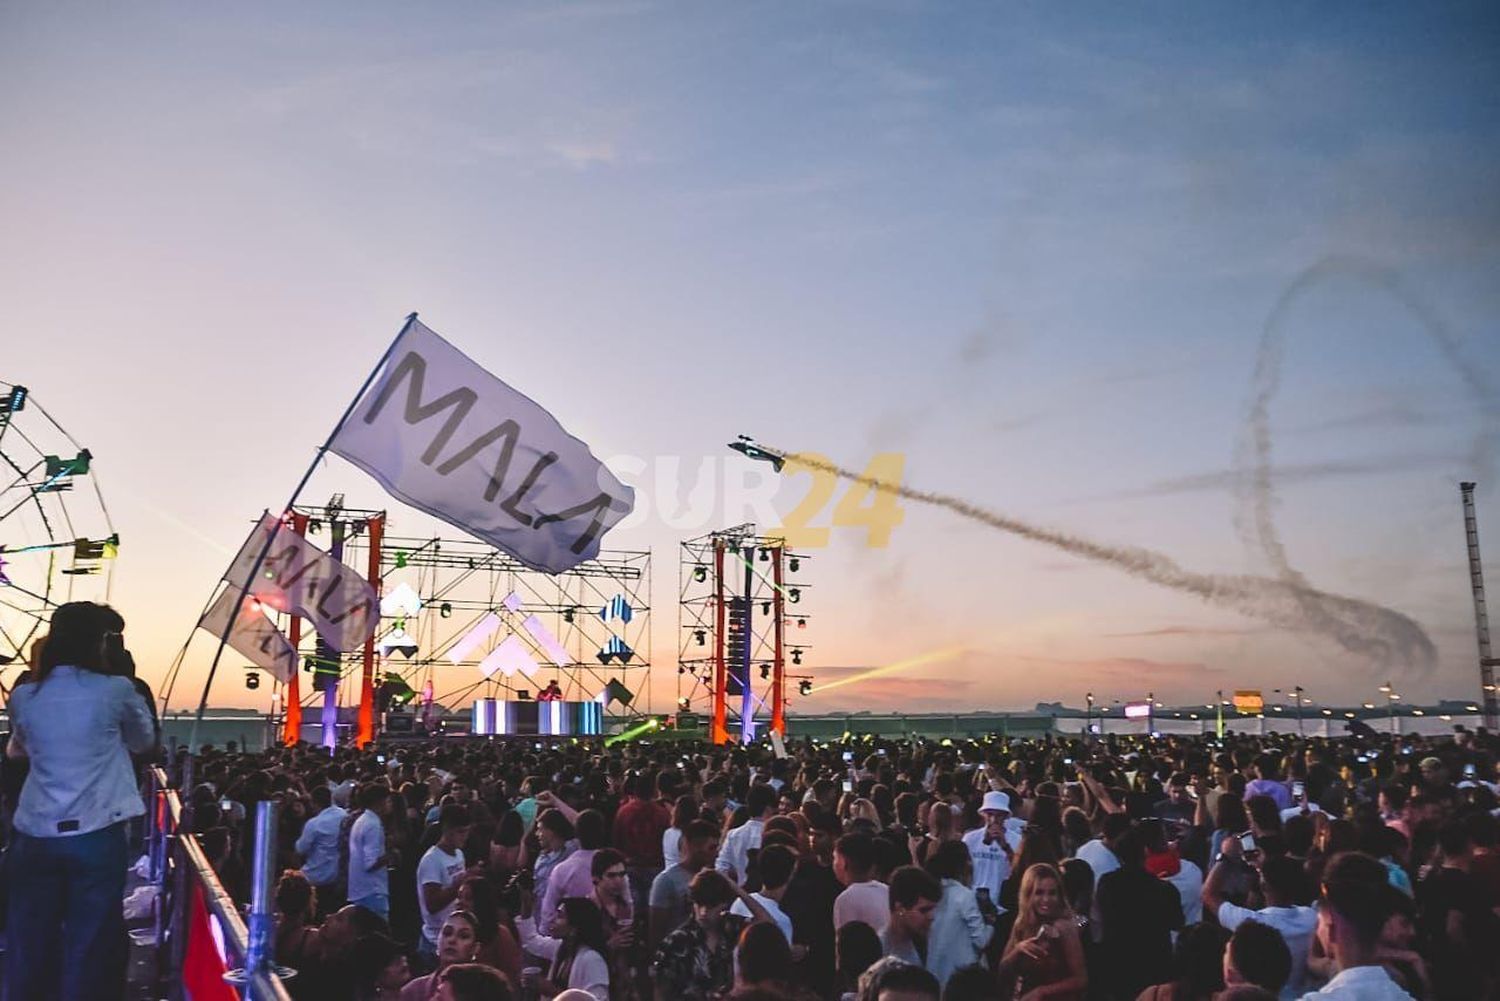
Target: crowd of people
point(1171, 868)
point(1174, 867)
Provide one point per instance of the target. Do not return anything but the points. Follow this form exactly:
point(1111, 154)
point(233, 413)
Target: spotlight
point(701, 636)
point(804, 687)
point(314, 526)
point(794, 564)
point(252, 680)
point(802, 623)
point(797, 657)
point(765, 672)
point(683, 702)
point(568, 616)
point(765, 608)
point(794, 595)
point(765, 555)
point(700, 574)
point(445, 609)
point(682, 669)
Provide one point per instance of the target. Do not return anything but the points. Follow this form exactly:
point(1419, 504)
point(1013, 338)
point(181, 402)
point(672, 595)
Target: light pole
point(1150, 713)
point(1088, 716)
point(1391, 698)
point(1219, 710)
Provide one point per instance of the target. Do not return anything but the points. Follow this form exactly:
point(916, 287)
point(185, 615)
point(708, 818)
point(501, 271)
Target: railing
point(192, 960)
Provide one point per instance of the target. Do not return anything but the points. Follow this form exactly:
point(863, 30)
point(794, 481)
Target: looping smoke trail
point(1256, 517)
point(1365, 628)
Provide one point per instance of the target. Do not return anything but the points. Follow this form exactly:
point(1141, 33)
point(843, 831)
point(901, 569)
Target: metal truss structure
point(463, 621)
point(738, 601)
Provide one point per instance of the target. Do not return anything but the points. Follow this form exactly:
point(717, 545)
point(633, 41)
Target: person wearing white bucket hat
point(992, 845)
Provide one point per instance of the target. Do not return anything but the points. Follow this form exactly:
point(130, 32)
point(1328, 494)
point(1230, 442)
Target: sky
point(1033, 249)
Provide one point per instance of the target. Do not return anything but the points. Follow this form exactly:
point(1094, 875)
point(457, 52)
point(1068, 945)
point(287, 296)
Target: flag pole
point(265, 549)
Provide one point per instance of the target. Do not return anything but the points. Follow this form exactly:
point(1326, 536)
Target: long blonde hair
point(1027, 923)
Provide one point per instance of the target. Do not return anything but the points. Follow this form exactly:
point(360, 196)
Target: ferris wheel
point(57, 543)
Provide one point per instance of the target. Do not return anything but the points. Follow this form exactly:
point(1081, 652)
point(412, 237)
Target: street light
point(1088, 716)
point(1391, 698)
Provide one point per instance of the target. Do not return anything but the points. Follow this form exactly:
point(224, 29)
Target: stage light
point(765, 672)
point(568, 616)
point(765, 608)
point(701, 636)
point(445, 609)
point(252, 680)
point(804, 687)
point(765, 555)
point(802, 623)
point(700, 574)
point(683, 703)
point(797, 657)
point(794, 595)
point(14, 401)
point(314, 526)
point(794, 564)
point(682, 669)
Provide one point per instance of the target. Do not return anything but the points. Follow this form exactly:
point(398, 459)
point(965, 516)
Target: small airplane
point(747, 447)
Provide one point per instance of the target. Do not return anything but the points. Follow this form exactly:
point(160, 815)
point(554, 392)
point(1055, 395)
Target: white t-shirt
point(671, 847)
point(772, 907)
point(366, 845)
point(1296, 925)
point(437, 866)
point(991, 862)
point(1189, 883)
point(869, 902)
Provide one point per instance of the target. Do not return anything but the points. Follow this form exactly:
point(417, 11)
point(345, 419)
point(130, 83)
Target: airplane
point(747, 447)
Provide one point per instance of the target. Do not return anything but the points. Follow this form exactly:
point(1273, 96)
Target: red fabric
point(639, 826)
point(1163, 864)
point(202, 968)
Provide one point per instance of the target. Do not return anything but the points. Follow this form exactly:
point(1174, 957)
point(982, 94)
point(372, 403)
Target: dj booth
point(505, 717)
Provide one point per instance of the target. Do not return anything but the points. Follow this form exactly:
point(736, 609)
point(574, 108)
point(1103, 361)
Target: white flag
point(254, 636)
point(444, 435)
point(300, 578)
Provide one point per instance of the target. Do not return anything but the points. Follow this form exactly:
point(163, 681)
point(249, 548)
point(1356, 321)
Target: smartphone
point(1247, 842)
point(1469, 770)
point(848, 755)
point(1067, 761)
point(848, 786)
point(1299, 790)
point(881, 752)
point(380, 758)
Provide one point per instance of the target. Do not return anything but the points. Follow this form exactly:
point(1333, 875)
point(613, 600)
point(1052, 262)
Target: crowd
point(1177, 868)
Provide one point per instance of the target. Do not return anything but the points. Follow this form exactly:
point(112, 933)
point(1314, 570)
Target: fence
point(205, 952)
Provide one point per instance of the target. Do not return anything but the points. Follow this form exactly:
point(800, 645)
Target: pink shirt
point(572, 877)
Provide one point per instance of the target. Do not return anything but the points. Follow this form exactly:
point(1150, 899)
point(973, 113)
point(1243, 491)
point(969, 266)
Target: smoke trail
point(1255, 517)
point(1364, 628)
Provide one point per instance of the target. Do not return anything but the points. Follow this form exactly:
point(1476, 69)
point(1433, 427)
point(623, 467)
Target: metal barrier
point(182, 874)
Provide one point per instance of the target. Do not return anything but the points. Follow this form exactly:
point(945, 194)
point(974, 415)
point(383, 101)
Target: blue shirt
point(318, 845)
point(79, 730)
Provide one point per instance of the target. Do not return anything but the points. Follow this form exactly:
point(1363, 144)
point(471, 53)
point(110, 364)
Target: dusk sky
point(1032, 248)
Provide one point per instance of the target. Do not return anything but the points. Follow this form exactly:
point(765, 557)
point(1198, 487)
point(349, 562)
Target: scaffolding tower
point(739, 598)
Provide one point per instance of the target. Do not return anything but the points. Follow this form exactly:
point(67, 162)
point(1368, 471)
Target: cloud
point(1228, 479)
point(1131, 670)
point(585, 154)
point(1183, 631)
